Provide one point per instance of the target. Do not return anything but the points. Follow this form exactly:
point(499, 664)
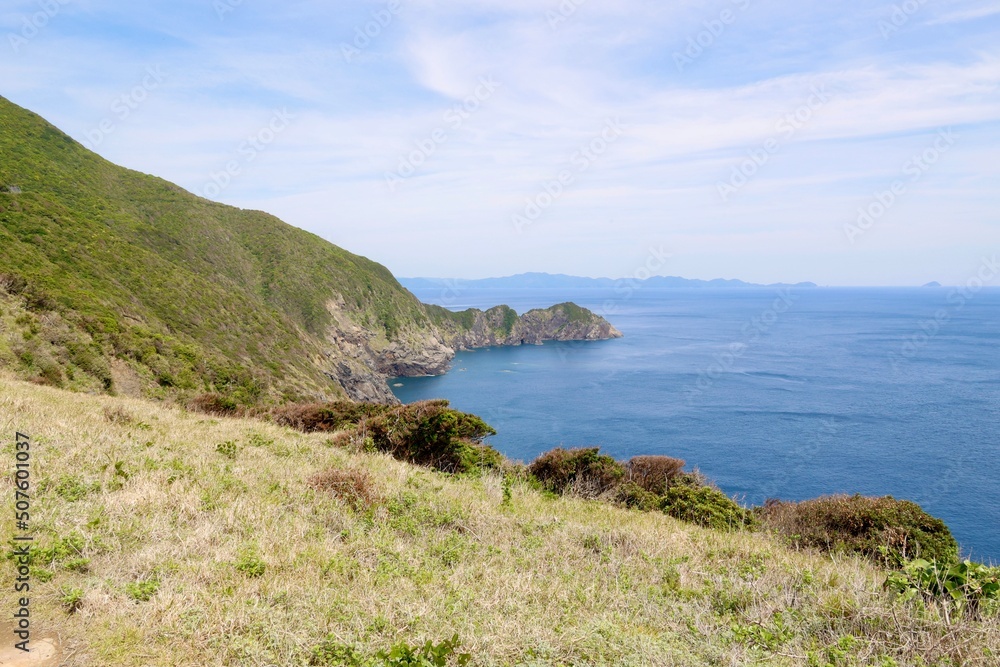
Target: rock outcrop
point(501, 326)
point(367, 361)
point(115, 281)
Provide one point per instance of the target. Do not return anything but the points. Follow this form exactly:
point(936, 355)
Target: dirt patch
point(44, 649)
point(127, 381)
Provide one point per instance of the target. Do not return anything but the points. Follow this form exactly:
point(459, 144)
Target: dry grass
point(355, 487)
point(533, 581)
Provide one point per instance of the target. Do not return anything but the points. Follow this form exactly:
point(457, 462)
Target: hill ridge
point(113, 280)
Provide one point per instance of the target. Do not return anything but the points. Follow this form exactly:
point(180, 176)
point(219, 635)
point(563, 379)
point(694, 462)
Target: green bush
point(71, 599)
point(888, 530)
point(432, 434)
point(634, 496)
point(965, 586)
point(585, 471)
point(705, 506)
point(333, 653)
point(325, 417)
point(69, 548)
point(250, 563)
point(228, 449)
point(142, 591)
point(429, 655)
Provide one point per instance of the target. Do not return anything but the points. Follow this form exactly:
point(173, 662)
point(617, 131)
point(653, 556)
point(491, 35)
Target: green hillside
point(112, 279)
point(163, 537)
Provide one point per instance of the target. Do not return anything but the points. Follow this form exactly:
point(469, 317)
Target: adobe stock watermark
point(914, 168)
point(225, 7)
point(786, 128)
point(900, 16)
point(945, 481)
point(752, 332)
point(563, 13)
point(21, 543)
point(370, 31)
point(957, 300)
point(451, 291)
point(797, 460)
point(624, 289)
point(248, 151)
point(33, 24)
point(705, 39)
point(579, 163)
point(123, 106)
point(454, 118)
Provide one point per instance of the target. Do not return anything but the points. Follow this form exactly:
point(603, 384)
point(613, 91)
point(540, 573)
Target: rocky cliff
point(502, 326)
point(430, 351)
point(120, 282)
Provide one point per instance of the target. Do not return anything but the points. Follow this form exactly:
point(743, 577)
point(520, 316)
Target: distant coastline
point(562, 281)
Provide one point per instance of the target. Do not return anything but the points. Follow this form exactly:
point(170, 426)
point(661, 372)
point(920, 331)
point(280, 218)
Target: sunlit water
point(816, 391)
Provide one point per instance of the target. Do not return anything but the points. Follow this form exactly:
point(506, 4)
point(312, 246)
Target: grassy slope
point(537, 581)
point(190, 294)
point(237, 288)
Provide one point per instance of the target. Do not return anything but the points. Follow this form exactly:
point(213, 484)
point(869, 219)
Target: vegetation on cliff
point(112, 280)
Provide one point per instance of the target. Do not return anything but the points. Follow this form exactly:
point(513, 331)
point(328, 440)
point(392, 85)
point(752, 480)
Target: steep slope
point(112, 280)
point(166, 539)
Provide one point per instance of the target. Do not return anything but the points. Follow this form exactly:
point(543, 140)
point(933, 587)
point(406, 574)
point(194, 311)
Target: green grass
point(112, 280)
point(196, 559)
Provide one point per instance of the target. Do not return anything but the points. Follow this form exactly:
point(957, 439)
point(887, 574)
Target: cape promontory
point(115, 281)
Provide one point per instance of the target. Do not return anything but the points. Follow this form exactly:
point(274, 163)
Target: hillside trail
point(44, 650)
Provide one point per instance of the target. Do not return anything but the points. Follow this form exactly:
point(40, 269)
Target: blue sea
point(770, 392)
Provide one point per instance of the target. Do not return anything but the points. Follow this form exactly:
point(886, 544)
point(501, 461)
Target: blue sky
point(847, 143)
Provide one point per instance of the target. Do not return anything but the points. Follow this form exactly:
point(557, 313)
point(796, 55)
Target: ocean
point(772, 393)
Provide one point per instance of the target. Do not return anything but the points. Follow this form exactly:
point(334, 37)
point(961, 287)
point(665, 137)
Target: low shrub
point(430, 654)
point(354, 487)
point(142, 591)
point(332, 652)
point(249, 562)
point(12, 283)
point(119, 416)
point(214, 404)
point(585, 471)
point(71, 599)
point(432, 434)
point(889, 530)
point(325, 417)
point(633, 496)
point(229, 449)
point(653, 473)
point(705, 506)
point(967, 587)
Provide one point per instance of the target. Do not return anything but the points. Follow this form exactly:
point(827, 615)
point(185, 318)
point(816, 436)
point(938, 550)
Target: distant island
point(934, 284)
point(562, 281)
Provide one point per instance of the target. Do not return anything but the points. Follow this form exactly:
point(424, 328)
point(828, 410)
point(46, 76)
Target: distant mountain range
point(561, 281)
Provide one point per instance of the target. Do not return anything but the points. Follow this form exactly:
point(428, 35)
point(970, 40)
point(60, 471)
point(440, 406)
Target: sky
point(840, 142)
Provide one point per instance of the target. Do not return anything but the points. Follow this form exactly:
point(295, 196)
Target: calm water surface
point(771, 394)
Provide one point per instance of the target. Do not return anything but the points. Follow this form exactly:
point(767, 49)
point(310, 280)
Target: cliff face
point(116, 281)
point(501, 326)
point(431, 351)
